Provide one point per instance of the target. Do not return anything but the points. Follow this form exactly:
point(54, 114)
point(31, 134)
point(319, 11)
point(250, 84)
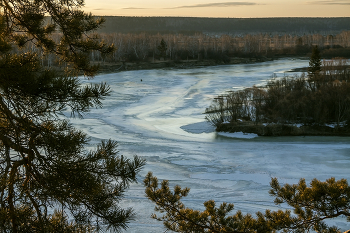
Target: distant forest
point(145, 47)
point(220, 40)
point(231, 26)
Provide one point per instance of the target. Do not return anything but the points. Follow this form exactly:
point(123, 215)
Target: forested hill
point(191, 25)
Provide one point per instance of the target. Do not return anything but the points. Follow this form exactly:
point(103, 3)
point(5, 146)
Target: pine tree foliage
point(49, 182)
point(311, 206)
point(162, 48)
point(315, 62)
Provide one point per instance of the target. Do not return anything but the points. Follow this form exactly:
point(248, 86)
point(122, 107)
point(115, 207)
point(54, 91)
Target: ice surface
point(162, 120)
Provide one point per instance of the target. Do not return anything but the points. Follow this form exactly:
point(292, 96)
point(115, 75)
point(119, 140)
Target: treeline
point(144, 47)
point(222, 49)
point(219, 26)
point(317, 99)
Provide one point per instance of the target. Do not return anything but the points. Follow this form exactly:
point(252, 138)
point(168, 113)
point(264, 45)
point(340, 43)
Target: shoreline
point(278, 130)
point(246, 127)
point(114, 67)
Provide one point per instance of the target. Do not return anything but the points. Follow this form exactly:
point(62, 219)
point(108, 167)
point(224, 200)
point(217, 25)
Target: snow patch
point(238, 135)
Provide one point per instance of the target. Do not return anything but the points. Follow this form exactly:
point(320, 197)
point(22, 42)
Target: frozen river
point(162, 120)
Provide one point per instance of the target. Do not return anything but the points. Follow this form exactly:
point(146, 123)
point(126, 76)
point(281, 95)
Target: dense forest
point(138, 47)
point(224, 49)
point(217, 26)
point(137, 39)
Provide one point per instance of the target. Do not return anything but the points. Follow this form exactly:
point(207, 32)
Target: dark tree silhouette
point(311, 206)
point(162, 48)
point(315, 62)
point(46, 174)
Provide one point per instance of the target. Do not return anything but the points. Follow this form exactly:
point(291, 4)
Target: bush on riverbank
point(317, 104)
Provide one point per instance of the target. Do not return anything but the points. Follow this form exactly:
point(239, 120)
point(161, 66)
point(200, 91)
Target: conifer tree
point(314, 62)
point(311, 206)
point(49, 182)
point(162, 48)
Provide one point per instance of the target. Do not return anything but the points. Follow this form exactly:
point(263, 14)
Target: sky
point(220, 8)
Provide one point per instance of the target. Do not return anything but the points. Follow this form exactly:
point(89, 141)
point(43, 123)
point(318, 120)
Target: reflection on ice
point(162, 120)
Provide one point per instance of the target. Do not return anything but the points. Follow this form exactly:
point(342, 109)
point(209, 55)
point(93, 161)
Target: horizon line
point(223, 17)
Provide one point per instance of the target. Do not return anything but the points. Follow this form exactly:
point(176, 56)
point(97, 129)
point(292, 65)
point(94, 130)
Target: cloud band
point(217, 4)
point(330, 2)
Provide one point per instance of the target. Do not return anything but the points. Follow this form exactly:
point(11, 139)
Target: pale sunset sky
point(220, 8)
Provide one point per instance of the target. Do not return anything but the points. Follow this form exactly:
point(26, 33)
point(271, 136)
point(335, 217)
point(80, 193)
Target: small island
point(312, 104)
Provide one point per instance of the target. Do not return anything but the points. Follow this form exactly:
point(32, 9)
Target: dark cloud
point(218, 4)
point(331, 2)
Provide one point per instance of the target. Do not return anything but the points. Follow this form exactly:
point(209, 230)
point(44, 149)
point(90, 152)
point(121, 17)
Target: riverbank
point(284, 129)
point(111, 67)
